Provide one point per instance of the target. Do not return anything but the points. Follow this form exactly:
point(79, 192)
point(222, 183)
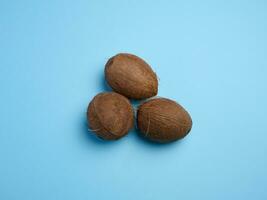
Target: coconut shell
point(110, 115)
point(163, 120)
point(131, 76)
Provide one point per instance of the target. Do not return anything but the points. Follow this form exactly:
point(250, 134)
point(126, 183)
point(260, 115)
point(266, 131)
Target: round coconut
point(131, 76)
point(163, 120)
point(110, 115)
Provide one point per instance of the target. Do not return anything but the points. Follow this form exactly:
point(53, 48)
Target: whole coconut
point(163, 120)
point(131, 76)
point(110, 115)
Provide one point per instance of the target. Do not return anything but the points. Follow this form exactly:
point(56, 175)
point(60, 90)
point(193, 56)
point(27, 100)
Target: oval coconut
point(110, 115)
point(163, 120)
point(131, 76)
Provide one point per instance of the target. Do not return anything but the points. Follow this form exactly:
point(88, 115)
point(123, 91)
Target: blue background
point(211, 56)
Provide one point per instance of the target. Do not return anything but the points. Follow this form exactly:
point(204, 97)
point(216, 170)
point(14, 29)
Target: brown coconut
point(110, 115)
point(131, 76)
point(163, 120)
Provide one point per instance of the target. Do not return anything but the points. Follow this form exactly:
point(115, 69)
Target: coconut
point(131, 76)
point(163, 120)
point(110, 115)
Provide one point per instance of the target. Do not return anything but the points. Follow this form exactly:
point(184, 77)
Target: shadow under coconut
point(146, 141)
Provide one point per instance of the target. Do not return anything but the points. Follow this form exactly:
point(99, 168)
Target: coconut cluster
point(110, 115)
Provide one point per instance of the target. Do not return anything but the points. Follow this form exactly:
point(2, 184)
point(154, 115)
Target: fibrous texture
point(110, 115)
point(131, 76)
point(163, 120)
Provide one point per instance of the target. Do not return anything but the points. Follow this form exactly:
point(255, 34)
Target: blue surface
point(211, 56)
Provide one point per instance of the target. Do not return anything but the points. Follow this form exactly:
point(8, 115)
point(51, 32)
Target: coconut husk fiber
point(131, 76)
point(110, 115)
point(163, 120)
